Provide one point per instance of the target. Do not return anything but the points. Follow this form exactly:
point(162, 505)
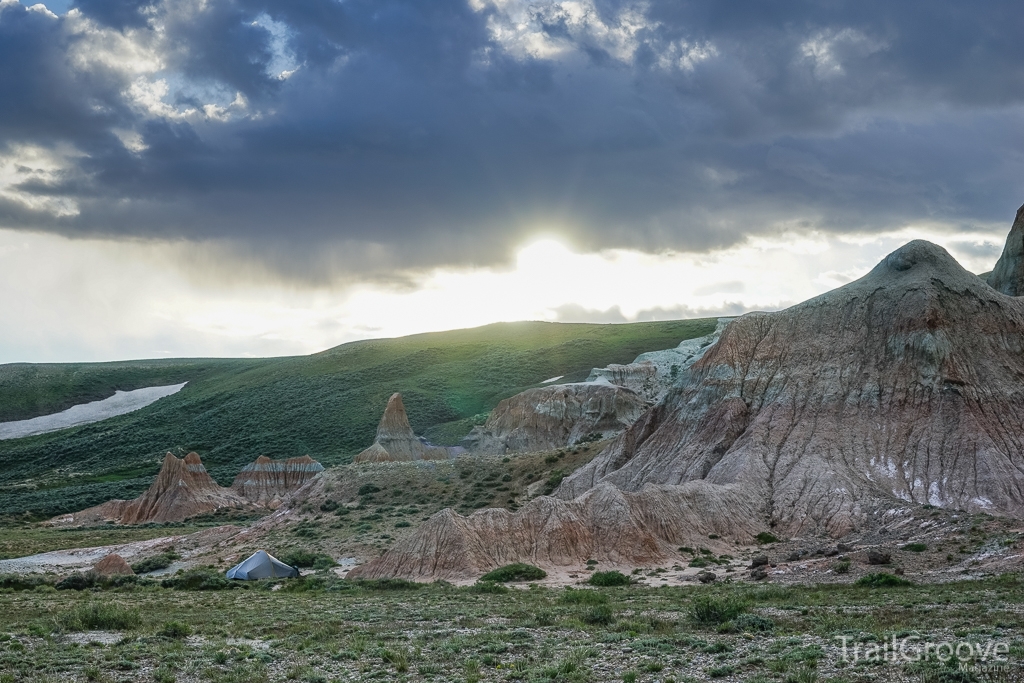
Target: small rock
point(877, 557)
point(707, 577)
point(759, 574)
point(758, 561)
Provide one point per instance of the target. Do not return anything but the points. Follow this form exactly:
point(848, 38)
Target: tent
point(261, 565)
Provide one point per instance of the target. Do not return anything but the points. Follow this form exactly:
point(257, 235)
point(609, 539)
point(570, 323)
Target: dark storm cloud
point(430, 129)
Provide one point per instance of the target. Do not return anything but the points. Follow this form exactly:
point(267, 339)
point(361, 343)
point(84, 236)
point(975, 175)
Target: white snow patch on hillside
point(120, 403)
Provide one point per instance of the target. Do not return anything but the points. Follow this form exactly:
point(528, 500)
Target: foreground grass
point(323, 629)
point(326, 405)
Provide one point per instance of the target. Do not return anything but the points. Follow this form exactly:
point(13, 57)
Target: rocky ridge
point(902, 388)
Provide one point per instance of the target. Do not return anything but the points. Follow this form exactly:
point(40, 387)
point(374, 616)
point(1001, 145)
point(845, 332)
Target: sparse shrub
point(841, 567)
point(23, 582)
point(708, 610)
point(77, 582)
point(488, 587)
point(368, 490)
point(610, 578)
point(515, 572)
point(882, 580)
point(764, 538)
point(915, 547)
point(553, 481)
point(175, 629)
point(389, 584)
point(304, 559)
point(753, 623)
point(156, 562)
point(99, 616)
point(198, 580)
point(329, 505)
point(597, 615)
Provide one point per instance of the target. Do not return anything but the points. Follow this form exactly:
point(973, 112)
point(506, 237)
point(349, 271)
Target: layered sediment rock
point(396, 442)
point(652, 374)
point(267, 482)
point(903, 387)
point(183, 488)
point(906, 385)
point(556, 416)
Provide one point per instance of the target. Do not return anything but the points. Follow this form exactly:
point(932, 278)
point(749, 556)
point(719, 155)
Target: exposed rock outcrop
point(183, 488)
point(396, 441)
point(903, 387)
point(652, 374)
point(906, 385)
point(618, 529)
point(267, 482)
point(113, 565)
point(555, 416)
point(1007, 277)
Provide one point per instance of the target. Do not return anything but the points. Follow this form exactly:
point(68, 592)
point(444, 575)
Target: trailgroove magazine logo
point(990, 656)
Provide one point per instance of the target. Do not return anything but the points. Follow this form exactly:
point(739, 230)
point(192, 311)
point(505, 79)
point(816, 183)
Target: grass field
point(326, 405)
point(320, 629)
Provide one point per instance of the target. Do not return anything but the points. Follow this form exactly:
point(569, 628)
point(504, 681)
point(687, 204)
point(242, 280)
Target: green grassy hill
point(326, 405)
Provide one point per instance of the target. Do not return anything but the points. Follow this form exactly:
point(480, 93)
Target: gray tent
point(261, 565)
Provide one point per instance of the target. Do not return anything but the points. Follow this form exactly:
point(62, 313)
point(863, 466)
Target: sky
point(249, 178)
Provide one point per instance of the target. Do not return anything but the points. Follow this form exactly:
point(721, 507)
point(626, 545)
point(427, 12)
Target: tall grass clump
point(99, 616)
point(709, 610)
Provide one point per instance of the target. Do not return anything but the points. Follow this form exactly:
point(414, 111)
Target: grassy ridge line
point(326, 405)
point(29, 390)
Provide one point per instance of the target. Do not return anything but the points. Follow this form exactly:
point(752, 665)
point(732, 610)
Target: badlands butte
point(870, 422)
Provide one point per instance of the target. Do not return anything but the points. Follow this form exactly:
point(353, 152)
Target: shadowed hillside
point(326, 405)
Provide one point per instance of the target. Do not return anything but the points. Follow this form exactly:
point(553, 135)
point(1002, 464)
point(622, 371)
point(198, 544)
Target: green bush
point(198, 580)
point(19, 582)
point(753, 623)
point(368, 490)
point(515, 572)
point(389, 584)
point(156, 562)
point(304, 559)
point(915, 547)
point(487, 587)
point(882, 580)
point(77, 582)
point(175, 629)
point(99, 616)
point(708, 610)
point(610, 578)
point(764, 537)
point(597, 615)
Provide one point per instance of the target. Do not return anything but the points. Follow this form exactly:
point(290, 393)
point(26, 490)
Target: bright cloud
point(98, 299)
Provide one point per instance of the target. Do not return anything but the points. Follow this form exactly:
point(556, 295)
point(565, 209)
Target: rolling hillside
point(326, 405)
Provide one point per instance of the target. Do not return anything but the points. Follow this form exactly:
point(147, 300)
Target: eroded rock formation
point(903, 387)
point(396, 442)
point(268, 482)
point(183, 488)
point(616, 528)
point(652, 374)
point(1007, 277)
point(555, 416)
